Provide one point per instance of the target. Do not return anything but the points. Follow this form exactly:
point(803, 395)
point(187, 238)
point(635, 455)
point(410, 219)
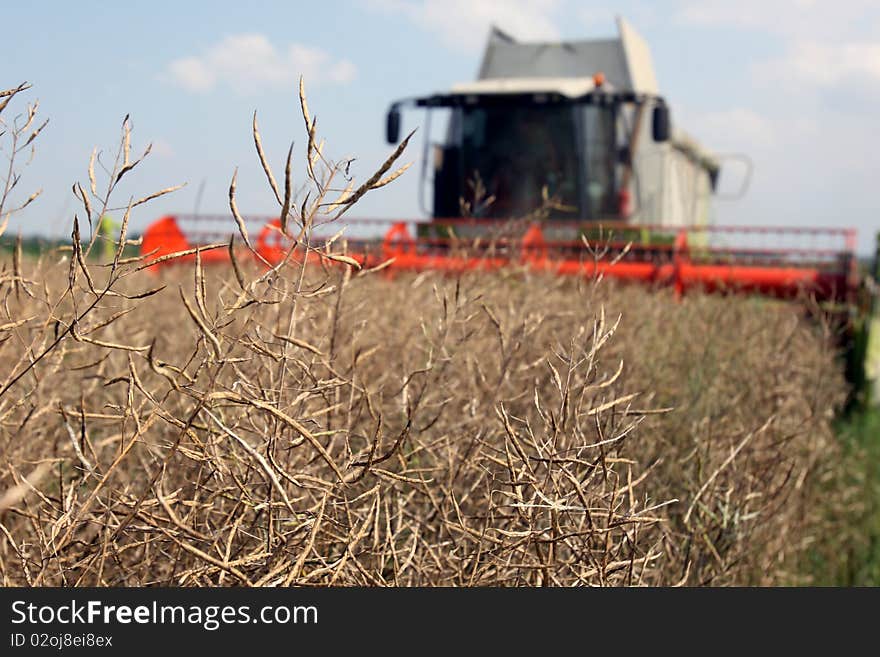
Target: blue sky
point(795, 84)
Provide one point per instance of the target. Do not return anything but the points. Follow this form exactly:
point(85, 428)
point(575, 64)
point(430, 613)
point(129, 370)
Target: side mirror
point(392, 125)
point(661, 126)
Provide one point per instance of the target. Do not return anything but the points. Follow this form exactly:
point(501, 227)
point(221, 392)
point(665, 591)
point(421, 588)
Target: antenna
point(199, 194)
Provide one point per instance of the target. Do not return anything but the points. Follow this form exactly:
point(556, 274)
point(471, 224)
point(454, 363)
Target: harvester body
point(562, 157)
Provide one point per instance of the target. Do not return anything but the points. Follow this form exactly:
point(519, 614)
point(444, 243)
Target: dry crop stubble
point(323, 425)
point(456, 440)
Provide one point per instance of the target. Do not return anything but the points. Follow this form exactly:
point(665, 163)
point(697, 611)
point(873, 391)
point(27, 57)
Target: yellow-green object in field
point(872, 359)
point(107, 232)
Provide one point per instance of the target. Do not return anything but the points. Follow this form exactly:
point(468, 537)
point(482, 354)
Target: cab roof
point(568, 87)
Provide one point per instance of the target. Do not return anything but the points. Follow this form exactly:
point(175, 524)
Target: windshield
point(514, 152)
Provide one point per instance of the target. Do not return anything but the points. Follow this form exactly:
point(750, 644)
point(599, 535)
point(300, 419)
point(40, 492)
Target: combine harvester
point(561, 157)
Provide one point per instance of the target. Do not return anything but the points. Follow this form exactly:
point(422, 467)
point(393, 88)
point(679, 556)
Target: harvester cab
point(577, 128)
point(524, 136)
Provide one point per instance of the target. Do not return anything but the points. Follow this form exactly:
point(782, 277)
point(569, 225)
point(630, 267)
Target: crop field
point(326, 425)
point(356, 429)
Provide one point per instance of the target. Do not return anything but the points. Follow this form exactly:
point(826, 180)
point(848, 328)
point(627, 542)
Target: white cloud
point(464, 24)
point(249, 62)
point(737, 127)
point(191, 73)
point(742, 129)
point(755, 14)
point(822, 45)
point(820, 19)
point(162, 148)
point(823, 64)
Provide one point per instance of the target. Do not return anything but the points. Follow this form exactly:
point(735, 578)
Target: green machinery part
point(107, 231)
point(862, 348)
point(872, 340)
